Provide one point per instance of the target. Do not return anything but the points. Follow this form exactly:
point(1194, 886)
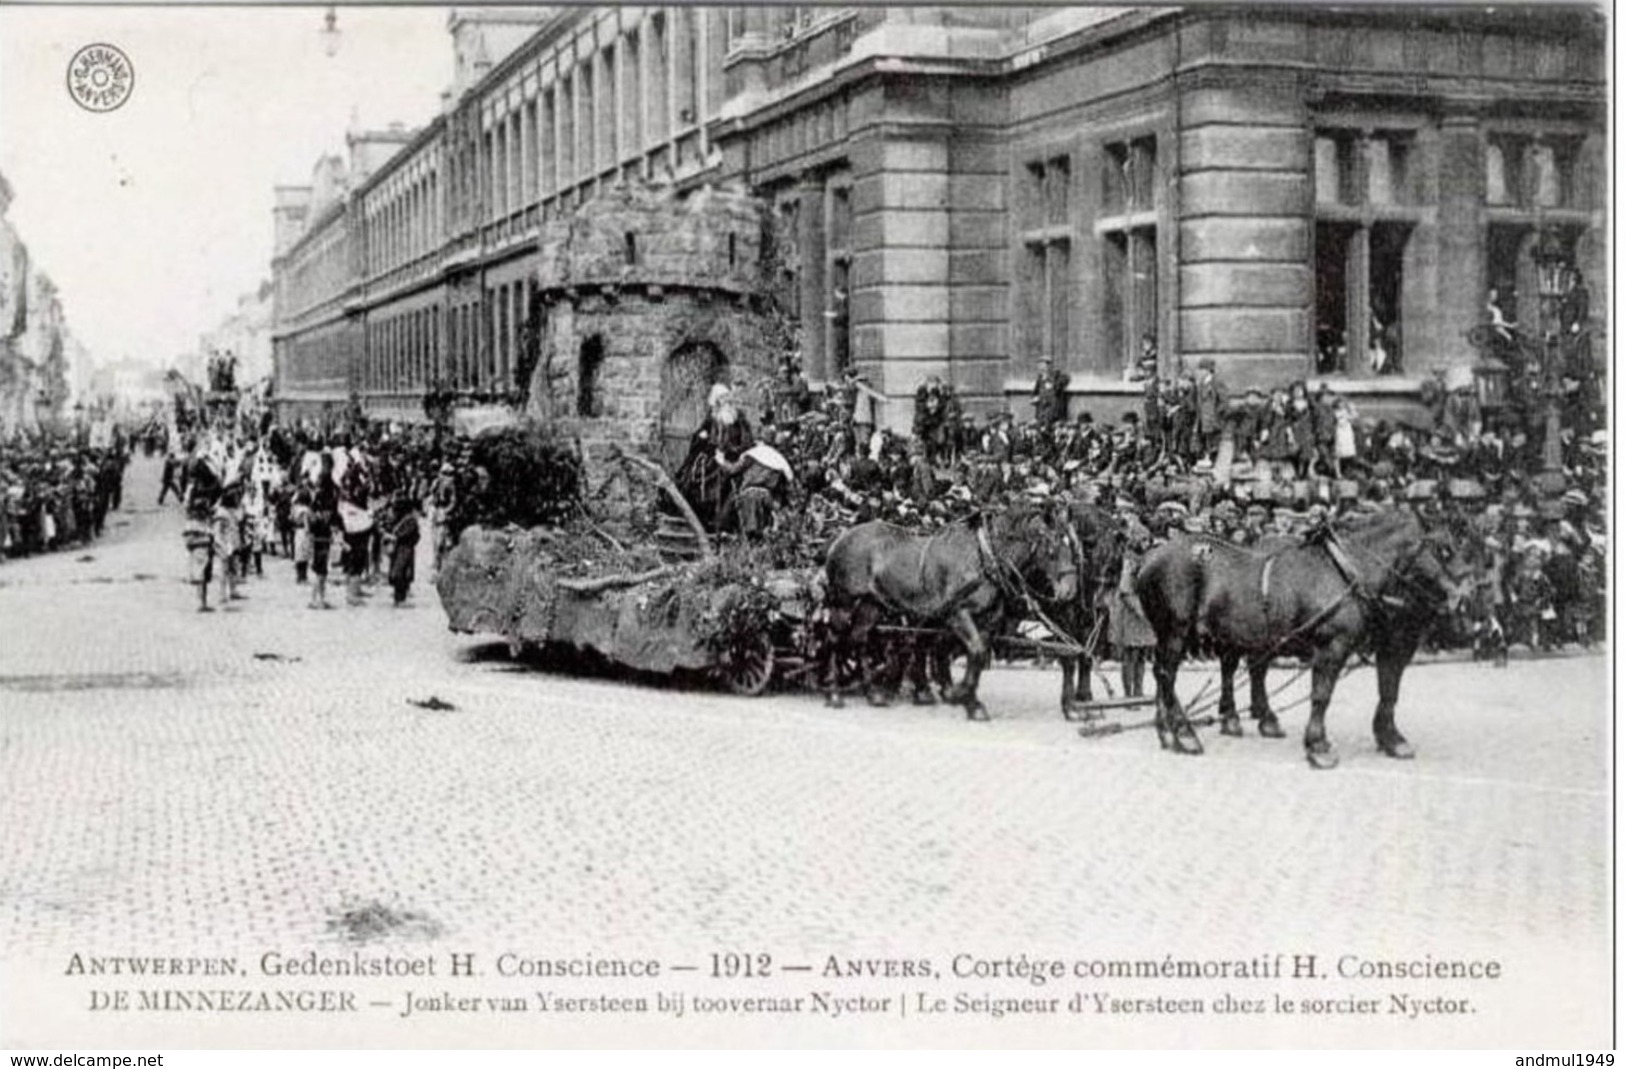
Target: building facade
point(961, 192)
point(39, 357)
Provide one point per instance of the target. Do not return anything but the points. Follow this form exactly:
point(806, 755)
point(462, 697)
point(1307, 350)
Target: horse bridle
point(1398, 573)
point(1003, 571)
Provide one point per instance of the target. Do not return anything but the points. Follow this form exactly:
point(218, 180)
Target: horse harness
point(1355, 585)
point(1018, 590)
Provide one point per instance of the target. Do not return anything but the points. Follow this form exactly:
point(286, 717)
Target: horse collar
point(1344, 564)
point(994, 565)
point(984, 543)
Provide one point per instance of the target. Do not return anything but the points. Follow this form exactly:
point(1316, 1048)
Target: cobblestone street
point(233, 783)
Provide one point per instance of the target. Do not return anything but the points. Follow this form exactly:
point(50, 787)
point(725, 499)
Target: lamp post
point(1553, 273)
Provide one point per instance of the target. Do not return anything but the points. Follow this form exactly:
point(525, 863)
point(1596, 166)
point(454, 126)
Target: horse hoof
point(976, 712)
point(1270, 728)
point(921, 698)
point(1399, 749)
point(1230, 725)
point(878, 701)
point(834, 702)
point(1322, 759)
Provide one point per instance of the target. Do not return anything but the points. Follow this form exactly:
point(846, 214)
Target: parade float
point(609, 576)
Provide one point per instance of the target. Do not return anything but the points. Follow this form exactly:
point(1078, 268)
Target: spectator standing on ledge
point(1049, 394)
point(1210, 405)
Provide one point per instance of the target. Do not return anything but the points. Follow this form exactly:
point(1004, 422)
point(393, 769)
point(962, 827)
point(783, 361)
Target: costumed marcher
point(355, 515)
point(403, 546)
point(442, 507)
point(324, 511)
point(202, 496)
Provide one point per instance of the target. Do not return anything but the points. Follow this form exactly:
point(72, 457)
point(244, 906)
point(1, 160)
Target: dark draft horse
point(1099, 541)
point(1369, 585)
point(970, 577)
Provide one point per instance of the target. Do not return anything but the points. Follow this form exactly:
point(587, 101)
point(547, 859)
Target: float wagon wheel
point(747, 665)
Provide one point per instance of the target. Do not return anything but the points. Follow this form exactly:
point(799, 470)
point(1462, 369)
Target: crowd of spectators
point(1194, 455)
point(56, 491)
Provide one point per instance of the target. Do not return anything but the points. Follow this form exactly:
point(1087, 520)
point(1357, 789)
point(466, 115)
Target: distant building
point(133, 387)
point(1293, 191)
point(245, 334)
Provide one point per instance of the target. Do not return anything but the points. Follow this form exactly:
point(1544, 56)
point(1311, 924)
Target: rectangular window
point(1546, 184)
point(587, 87)
point(1335, 178)
point(1045, 265)
point(1057, 191)
point(608, 121)
point(1057, 296)
point(550, 142)
point(1530, 172)
point(632, 59)
point(516, 161)
point(1500, 173)
point(688, 70)
point(1364, 181)
point(1388, 169)
point(838, 279)
point(840, 218)
point(452, 340)
point(501, 337)
point(471, 345)
point(487, 162)
point(659, 86)
point(567, 133)
point(527, 153)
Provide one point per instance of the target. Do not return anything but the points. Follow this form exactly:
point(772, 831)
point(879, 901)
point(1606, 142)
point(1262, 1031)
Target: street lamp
point(1490, 376)
point(1553, 273)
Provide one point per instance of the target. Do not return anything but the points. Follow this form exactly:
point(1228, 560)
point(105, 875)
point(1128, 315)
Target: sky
point(152, 219)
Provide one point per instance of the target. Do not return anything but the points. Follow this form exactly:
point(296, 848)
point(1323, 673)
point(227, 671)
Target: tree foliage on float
point(532, 477)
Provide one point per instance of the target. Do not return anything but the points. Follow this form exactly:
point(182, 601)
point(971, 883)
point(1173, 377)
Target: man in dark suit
point(1210, 405)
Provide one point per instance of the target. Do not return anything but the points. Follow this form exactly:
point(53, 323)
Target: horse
point(1362, 585)
point(970, 576)
point(1098, 541)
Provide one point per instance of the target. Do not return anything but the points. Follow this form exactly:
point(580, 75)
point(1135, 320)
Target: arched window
point(589, 396)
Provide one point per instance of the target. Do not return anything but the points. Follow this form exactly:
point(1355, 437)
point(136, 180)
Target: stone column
point(810, 275)
point(1246, 213)
point(1461, 291)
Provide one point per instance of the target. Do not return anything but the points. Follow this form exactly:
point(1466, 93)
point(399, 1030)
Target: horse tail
point(1169, 586)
